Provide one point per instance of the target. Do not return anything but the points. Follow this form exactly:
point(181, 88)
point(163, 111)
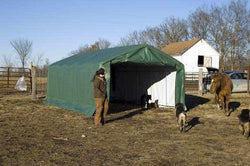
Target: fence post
point(30, 78)
point(33, 75)
point(248, 79)
point(8, 77)
point(200, 88)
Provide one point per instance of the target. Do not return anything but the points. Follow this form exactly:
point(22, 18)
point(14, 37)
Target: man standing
point(100, 95)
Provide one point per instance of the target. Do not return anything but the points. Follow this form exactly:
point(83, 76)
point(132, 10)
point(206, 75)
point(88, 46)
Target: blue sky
point(57, 27)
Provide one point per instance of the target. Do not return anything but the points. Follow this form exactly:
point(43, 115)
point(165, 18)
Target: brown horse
point(222, 86)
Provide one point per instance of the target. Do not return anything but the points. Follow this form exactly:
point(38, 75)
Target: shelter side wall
point(71, 88)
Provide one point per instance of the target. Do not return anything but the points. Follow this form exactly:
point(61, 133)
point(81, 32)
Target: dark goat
point(244, 122)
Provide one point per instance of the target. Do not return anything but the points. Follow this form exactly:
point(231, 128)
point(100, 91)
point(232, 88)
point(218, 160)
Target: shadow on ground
point(124, 110)
point(193, 122)
point(127, 115)
point(120, 107)
point(233, 106)
point(193, 101)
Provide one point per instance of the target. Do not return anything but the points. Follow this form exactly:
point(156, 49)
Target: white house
point(194, 54)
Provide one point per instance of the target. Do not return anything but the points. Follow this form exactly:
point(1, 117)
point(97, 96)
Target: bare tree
point(131, 39)
point(38, 60)
point(98, 45)
point(103, 43)
point(79, 50)
point(226, 28)
point(238, 23)
point(8, 61)
point(45, 67)
point(174, 30)
point(218, 33)
point(85, 48)
point(150, 36)
point(199, 24)
point(228, 31)
point(23, 48)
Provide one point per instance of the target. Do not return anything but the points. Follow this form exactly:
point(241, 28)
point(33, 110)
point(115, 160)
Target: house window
point(200, 60)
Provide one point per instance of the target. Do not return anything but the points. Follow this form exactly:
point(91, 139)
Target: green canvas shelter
point(131, 71)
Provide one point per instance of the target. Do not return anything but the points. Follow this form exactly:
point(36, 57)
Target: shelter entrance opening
point(130, 81)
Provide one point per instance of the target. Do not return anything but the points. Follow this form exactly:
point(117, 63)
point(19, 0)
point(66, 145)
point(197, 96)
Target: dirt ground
point(32, 133)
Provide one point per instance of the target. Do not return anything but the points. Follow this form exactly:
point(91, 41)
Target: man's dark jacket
point(100, 87)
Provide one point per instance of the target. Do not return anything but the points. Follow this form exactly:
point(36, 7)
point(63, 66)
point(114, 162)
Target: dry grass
point(34, 134)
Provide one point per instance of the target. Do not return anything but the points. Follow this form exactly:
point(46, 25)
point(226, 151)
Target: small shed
point(131, 71)
point(194, 54)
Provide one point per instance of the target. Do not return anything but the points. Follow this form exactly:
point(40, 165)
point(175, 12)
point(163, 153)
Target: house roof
point(179, 48)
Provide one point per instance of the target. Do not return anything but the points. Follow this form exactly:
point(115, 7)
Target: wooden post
point(30, 78)
point(30, 75)
point(200, 85)
point(8, 79)
point(248, 78)
point(33, 75)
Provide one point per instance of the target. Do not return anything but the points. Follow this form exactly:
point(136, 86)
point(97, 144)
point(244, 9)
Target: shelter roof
point(96, 56)
point(144, 54)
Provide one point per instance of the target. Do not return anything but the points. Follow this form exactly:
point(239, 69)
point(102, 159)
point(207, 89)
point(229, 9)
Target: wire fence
point(9, 77)
point(41, 82)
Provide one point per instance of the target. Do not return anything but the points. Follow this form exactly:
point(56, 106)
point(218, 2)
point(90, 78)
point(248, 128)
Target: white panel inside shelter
point(164, 91)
